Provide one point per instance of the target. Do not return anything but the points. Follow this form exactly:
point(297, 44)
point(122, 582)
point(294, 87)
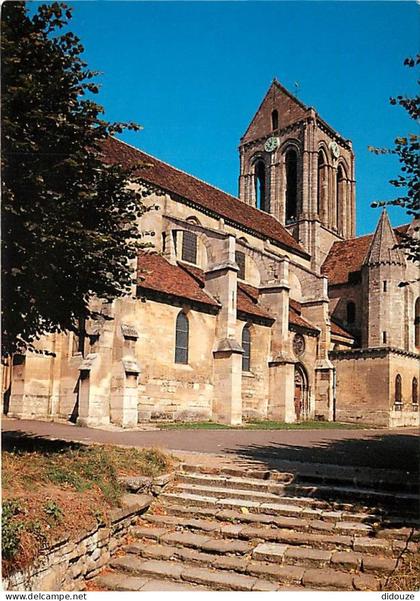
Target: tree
point(69, 222)
point(408, 182)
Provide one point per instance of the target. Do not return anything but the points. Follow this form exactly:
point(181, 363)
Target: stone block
point(378, 565)
point(269, 552)
point(186, 539)
point(306, 557)
point(226, 546)
point(371, 545)
point(219, 580)
point(365, 582)
point(278, 572)
point(150, 533)
point(326, 579)
point(233, 530)
point(120, 582)
point(346, 559)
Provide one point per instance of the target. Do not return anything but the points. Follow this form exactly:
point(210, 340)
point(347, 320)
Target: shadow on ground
point(395, 452)
point(356, 460)
point(21, 442)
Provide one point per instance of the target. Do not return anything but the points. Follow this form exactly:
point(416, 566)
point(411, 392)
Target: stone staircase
point(247, 529)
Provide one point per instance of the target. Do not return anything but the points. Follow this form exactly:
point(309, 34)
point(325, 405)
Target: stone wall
point(366, 386)
point(67, 564)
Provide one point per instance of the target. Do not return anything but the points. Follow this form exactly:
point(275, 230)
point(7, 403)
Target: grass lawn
point(261, 425)
point(52, 488)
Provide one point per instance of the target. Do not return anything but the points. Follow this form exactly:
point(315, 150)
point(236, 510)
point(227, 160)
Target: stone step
point(319, 473)
point(314, 495)
point(296, 505)
point(280, 554)
point(293, 530)
point(257, 575)
point(242, 525)
point(186, 573)
point(219, 499)
point(119, 581)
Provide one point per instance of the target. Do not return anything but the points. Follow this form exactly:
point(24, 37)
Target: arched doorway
point(301, 399)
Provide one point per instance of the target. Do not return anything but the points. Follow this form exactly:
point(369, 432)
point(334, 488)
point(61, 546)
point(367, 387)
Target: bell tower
point(296, 167)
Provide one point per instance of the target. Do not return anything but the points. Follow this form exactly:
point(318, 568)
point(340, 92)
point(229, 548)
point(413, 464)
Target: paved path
point(396, 449)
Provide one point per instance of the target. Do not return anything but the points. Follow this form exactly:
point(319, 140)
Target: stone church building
point(264, 306)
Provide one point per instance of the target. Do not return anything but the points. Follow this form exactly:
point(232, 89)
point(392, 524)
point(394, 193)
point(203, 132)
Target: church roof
point(183, 281)
point(348, 256)
point(296, 319)
point(155, 273)
point(338, 330)
point(382, 248)
point(201, 194)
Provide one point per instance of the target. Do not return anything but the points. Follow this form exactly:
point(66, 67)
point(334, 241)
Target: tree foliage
point(69, 221)
point(406, 148)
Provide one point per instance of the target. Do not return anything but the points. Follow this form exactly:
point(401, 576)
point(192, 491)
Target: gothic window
point(351, 312)
point(78, 342)
point(417, 323)
point(339, 190)
point(246, 345)
point(291, 186)
point(398, 389)
point(415, 391)
point(274, 120)
point(189, 247)
point(240, 261)
point(261, 200)
point(322, 181)
point(181, 338)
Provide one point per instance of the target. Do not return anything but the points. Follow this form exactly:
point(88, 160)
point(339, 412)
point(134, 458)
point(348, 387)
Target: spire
point(382, 248)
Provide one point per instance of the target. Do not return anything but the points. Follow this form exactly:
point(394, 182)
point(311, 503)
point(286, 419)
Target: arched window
point(261, 200)
point(351, 312)
point(291, 186)
point(181, 338)
point(322, 182)
point(240, 261)
point(274, 120)
point(189, 247)
point(398, 389)
point(339, 190)
point(246, 345)
point(417, 323)
point(415, 391)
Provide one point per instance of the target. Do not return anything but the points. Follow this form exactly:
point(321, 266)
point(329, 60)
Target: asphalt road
point(389, 449)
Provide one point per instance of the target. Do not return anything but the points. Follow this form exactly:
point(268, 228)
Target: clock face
point(271, 144)
point(335, 150)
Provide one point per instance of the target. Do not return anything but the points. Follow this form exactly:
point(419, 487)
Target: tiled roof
point(161, 276)
point(200, 193)
point(248, 302)
point(338, 330)
point(296, 319)
point(347, 256)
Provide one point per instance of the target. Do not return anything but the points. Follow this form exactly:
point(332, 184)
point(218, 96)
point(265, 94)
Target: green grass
point(261, 425)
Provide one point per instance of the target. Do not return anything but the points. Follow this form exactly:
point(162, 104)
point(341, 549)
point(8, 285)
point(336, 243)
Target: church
point(264, 306)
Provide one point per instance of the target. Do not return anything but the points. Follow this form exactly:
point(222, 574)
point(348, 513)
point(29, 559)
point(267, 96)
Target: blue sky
point(194, 73)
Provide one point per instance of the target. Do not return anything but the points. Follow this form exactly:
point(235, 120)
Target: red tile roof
point(248, 302)
point(348, 256)
point(161, 276)
point(338, 330)
point(187, 281)
point(296, 319)
point(200, 193)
